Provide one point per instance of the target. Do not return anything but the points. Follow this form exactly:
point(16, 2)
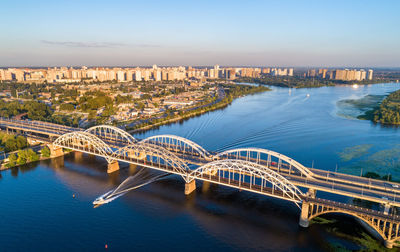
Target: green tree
point(45, 152)
point(22, 157)
point(21, 142)
point(32, 156)
point(38, 111)
point(14, 92)
point(12, 159)
point(67, 107)
point(11, 144)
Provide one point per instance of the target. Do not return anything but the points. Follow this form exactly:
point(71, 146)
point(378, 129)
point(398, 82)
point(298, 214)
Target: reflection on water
point(158, 216)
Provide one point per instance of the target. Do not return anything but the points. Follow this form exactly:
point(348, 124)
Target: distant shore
point(244, 90)
point(296, 82)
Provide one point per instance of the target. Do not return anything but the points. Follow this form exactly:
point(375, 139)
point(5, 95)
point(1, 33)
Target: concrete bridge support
point(304, 220)
point(112, 167)
point(386, 209)
point(55, 151)
point(388, 244)
point(32, 141)
point(190, 187)
point(311, 193)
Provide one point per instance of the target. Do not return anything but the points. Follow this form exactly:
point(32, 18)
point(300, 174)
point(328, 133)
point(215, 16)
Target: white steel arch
point(85, 142)
point(155, 155)
point(236, 172)
point(255, 155)
point(111, 133)
point(177, 143)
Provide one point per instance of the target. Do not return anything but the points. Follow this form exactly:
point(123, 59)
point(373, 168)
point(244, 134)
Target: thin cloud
point(82, 44)
point(93, 44)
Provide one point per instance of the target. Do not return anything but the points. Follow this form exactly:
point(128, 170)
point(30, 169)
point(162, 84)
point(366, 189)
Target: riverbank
point(387, 112)
point(44, 155)
point(226, 96)
point(4, 166)
point(383, 109)
point(25, 156)
point(178, 118)
point(298, 82)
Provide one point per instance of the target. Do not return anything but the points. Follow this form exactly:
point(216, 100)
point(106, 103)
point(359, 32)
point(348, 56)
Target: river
point(316, 127)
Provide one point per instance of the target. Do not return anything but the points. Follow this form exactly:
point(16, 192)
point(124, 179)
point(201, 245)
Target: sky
point(356, 33)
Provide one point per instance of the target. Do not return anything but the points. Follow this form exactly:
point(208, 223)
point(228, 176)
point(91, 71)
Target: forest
point(389, 110)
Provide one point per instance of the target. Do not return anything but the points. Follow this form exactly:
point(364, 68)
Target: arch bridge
point(254, 170)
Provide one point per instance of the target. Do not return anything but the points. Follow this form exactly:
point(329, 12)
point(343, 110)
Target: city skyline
point(181, 73)
point(340, 34)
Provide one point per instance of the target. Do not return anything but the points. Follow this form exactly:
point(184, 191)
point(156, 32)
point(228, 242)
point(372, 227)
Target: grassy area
point(360, 108)
point(357, 151)
point(385, 162)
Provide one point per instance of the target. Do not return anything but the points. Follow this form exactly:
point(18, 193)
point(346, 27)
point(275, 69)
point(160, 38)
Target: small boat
point(103, 198)
point(308, 95)
point(355, 85)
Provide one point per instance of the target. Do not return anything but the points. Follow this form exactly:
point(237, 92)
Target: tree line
point(389, 110)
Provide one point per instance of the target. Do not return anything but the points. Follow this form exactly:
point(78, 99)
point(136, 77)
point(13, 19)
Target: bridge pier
point(388, 244)
point(190, 187)
point(112, 167)
point(55, 151)
point(386, 209)
point(304, 221)
point(311, 193)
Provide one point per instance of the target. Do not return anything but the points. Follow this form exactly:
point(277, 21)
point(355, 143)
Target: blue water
point(39, 212)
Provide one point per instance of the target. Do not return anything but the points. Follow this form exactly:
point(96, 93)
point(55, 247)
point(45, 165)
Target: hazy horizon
point(203, 66)
point(356, 34)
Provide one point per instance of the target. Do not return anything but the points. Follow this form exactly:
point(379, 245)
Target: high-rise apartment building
point(157, 75)
point(311, 73)
point(120, 75)
point(340, 74)
point(216, 71)
point(266, 70)
point(363, 74)
point(138, 75)
point(370, 73)
point(2, 75)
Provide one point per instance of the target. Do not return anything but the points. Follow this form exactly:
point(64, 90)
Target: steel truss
point(264, 157)
point(111, 133)
point(248, 175)
point(178, 144)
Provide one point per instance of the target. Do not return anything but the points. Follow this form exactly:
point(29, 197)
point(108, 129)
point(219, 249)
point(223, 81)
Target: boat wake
point(141, 178)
